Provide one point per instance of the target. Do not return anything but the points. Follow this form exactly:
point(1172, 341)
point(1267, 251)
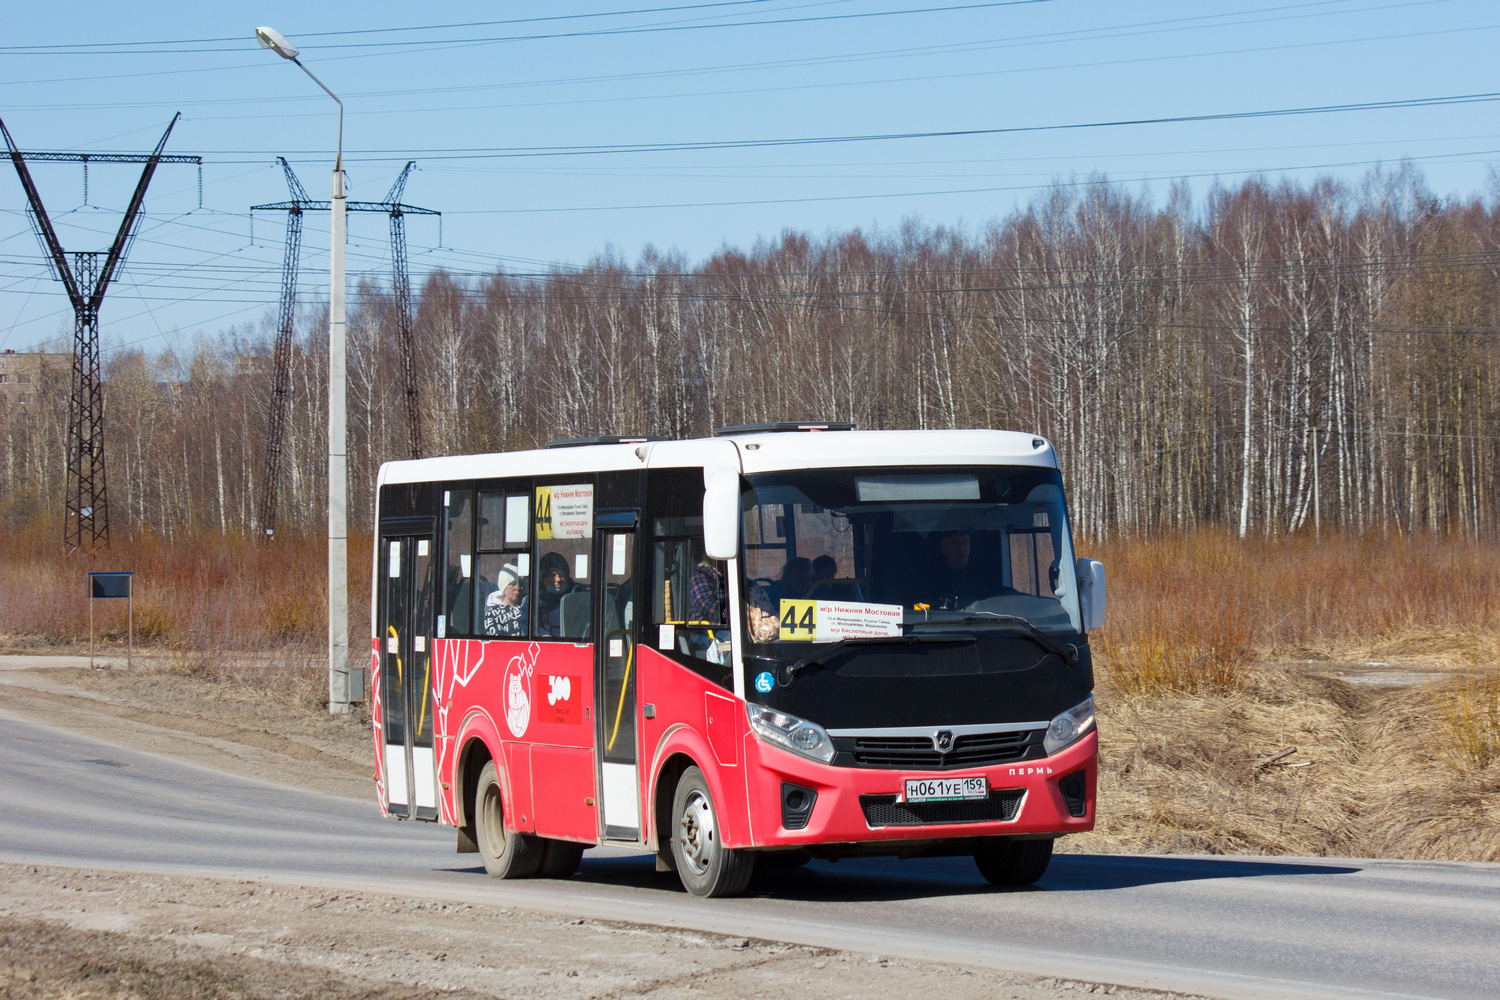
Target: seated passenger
point(707, 600)
point(957, 583)
point(554, 582)
point(825, 567)
point(505, 609)
point(760, 611)
point(796, 580)
point(826, 585)
point(708, 604)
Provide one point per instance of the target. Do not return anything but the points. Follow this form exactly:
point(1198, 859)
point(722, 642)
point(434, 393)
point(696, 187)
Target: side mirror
point(1090, 592)
point(721, 516)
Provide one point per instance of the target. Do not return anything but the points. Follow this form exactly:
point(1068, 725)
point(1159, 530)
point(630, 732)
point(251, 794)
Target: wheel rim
point(491, 821)
point(696, 834)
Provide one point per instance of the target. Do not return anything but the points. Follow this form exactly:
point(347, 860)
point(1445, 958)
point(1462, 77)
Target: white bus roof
point(753, 451)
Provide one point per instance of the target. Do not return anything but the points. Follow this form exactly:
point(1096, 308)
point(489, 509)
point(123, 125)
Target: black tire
point(705, 866)
point(1013, 862)
point(559, 859)
point(505, 854)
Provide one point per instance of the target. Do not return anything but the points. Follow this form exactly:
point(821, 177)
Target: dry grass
point(1193, 712)
point(1162, 653)
point(205, 599)
point(1468, 714)
point(1188, 612)
point(1370, 774)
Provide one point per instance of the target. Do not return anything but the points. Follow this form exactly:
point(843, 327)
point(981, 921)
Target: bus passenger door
point(615, 672)
point(405, 630)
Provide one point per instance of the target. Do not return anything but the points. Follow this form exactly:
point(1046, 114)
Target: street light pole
point(339, 695)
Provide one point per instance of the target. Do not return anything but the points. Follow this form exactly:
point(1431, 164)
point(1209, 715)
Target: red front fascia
point(746, 780)
point(837, 818)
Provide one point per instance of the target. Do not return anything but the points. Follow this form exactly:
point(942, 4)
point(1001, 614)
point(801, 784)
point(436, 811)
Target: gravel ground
point(77, 933)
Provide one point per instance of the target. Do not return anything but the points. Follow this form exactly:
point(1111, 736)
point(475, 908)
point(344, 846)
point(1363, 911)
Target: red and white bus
point(786, 641)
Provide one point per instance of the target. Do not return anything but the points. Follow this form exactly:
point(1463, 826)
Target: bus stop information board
point(109, 585)
point(103, 586)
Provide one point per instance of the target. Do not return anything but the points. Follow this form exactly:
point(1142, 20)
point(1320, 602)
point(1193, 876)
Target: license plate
point(946, 789)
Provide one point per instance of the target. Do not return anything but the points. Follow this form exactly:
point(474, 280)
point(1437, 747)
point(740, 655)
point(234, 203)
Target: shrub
point(1468, 713)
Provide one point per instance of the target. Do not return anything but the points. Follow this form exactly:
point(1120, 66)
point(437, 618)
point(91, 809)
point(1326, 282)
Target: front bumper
point(861, 805)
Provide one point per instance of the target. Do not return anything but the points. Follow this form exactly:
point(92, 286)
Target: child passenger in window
point(505, 609)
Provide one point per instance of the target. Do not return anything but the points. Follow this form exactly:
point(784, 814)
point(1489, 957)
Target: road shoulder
point(175, 936)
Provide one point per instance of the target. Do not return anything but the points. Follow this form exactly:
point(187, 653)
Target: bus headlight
point(791, 733)
point(1068, 727)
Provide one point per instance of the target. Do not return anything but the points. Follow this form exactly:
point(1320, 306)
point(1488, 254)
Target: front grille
point(970, 750)
point(884, 810)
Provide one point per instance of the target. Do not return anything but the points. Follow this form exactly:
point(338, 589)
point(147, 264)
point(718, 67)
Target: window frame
point(676, 493)
point(505, 489)
point(590, 479)
point(466, 548)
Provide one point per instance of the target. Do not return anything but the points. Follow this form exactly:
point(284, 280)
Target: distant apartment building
point(253, 366)
point(24, 375)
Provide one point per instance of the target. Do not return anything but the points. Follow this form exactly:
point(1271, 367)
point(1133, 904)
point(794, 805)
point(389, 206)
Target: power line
point(494, 152)
point(813, 199)
point(690, 95)
point(1159, 26)
point(418, 45)
point(13, 49)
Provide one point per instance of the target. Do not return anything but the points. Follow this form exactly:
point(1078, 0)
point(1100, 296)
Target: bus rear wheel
point(1013, 862)
point(705, 865)
point(505, 854)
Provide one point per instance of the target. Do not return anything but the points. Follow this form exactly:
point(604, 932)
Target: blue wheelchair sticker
point(764, 682)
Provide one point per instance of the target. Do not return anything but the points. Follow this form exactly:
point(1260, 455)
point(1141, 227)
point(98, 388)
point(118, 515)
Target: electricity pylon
point(401, 285)
point(281, 356)
point(86, 280)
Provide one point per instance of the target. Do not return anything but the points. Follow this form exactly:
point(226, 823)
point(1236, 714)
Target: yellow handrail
point(392, 630)
point(620, 707)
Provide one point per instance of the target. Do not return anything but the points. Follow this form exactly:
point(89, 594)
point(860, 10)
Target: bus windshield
point(837, 554)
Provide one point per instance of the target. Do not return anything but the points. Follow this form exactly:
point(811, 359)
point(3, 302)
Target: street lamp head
point(270, 38)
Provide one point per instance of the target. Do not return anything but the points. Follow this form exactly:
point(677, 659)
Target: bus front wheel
point(705, 865)
point(505, 854)
point(1013, 862)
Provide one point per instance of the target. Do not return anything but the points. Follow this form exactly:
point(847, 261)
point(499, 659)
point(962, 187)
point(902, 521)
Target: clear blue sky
point(463, 87)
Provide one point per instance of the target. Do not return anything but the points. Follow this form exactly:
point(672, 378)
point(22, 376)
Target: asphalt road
point(1229, 927)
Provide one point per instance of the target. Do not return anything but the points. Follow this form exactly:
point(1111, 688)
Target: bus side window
point(693, 633)
point(561, 605)
point(689, 590)
point(458, 577)
point(502, 564)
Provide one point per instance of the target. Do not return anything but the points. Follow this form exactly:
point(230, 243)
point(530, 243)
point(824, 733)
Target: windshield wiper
point(811, 660)
point(1067, 651)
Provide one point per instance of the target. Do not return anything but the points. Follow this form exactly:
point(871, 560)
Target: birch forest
point(1270, 358)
